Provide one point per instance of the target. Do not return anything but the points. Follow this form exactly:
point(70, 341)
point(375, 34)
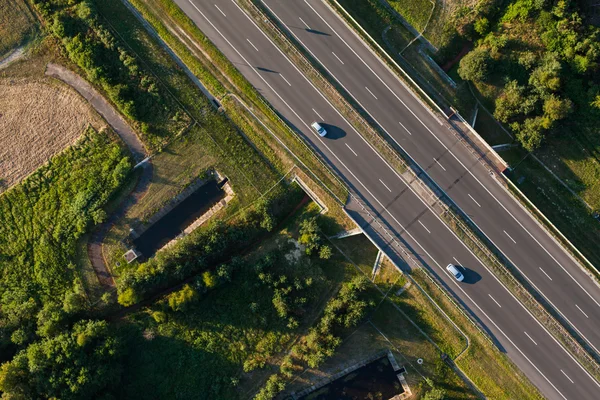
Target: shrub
point(475, 66)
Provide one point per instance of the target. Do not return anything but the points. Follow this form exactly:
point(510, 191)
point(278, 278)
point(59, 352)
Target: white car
point(455, 272)
point(320, 130)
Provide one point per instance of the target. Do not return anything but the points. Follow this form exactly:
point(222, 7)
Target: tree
point(475, 66)
point(531, 133)
point(50, 319)
point(325, 252)
point(596, 102)
point(309, 235)
point(209, 279)
point(545, 79)
point(128, 297)
point(81, 363)
point(482, 26)
point(274, 385)
point(180, 300)
point(512, 102)
point(435, 394)
point(556, 109)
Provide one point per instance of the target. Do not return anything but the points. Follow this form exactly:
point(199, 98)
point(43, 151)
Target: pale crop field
point(37, 120)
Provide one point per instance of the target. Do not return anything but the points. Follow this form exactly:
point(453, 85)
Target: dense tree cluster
point(76, 364)
point(41, 220)
point(109, 64)
point(544, 81)
point(343, 311)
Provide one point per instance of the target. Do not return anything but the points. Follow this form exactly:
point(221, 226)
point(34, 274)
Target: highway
point(538, 257)
point(543, 360)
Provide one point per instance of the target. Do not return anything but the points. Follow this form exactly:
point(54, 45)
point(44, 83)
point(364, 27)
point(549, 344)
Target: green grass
point(17, 24)
point(416, 12)
point(573, 162)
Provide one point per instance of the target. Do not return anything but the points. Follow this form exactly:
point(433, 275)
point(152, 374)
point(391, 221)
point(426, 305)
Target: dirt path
point(138, 150)
point(94, 246)
point(15, 55)
point(103, 107)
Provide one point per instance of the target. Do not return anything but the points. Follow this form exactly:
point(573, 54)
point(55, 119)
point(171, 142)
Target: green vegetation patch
point(217, 335)
point(41, 220)
point(560, 206)
point(17, 24)
point(414, 12)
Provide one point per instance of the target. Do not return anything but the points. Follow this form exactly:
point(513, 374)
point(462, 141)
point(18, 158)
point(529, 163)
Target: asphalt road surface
point(394, 203)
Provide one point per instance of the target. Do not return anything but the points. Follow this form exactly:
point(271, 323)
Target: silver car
point(455, 272)
point(320, 130)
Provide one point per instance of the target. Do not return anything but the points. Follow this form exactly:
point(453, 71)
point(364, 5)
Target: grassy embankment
point(222, 79)
point(207, 63)
point(416, 13)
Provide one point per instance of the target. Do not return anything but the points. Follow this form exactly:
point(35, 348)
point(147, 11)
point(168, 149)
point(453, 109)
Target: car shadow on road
point(317, 32)
point(333, 132)
point(471, 277)
point(267, 70)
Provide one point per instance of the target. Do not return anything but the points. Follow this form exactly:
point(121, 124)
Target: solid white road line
point(506, 233)
point(474, 200)
point(428, 231)
point(351, 149)
point(548, 276)
point(305, 24)
point(438, 163)
point(286, 81)
point(408, 233)
point(371, 92)
point(321, 118)
point(407, 131)
point(530, 338)
point(457, 262)
point(385, 186)
point(339, 59)
point(498, 304)
point(567, 376)
point(251, 44)
point(579, 308)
